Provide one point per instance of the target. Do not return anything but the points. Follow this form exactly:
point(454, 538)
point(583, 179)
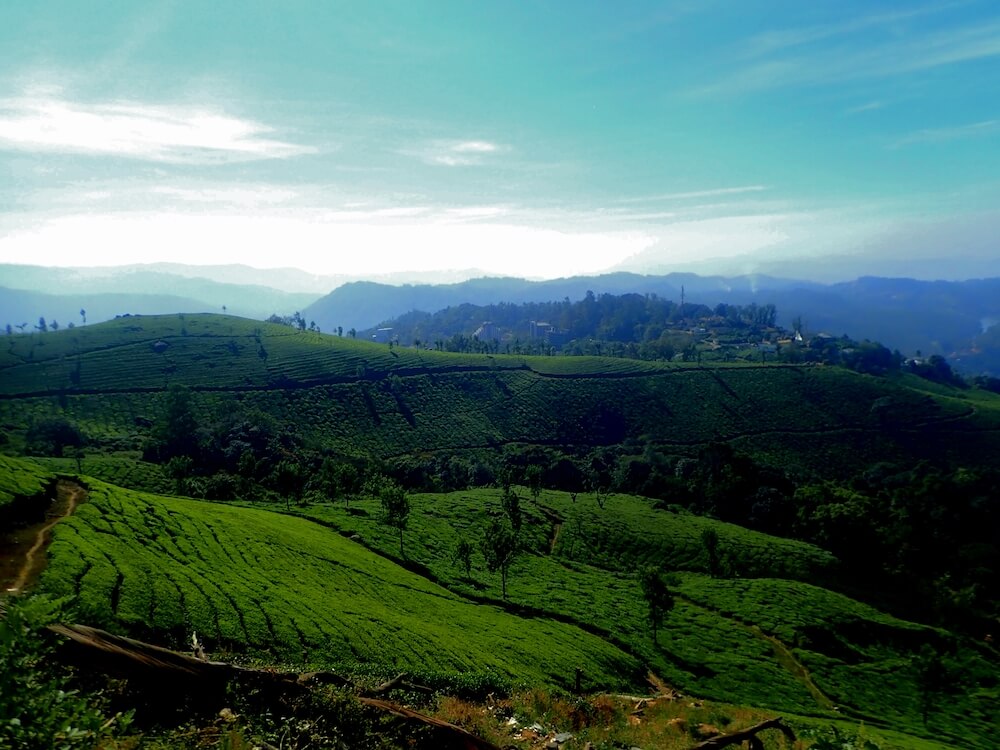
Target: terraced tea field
point(810, 647)
point(286, 588)
point(20, 478)
point(360, 398)
point(329, 593)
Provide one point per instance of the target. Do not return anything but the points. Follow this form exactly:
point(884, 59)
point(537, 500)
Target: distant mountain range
point(934, 317)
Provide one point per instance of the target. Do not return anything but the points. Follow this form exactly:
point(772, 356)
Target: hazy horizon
point(533, 140)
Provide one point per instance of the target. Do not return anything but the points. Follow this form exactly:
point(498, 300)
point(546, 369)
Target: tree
point(179, 469)
point(175, 433)
point(42, 327)
point(511, 503)
point(932, 678)
point(83, 315)
point(656, 592)
point(395, 504)
point(10, 330)
point(289, 480)
point(50, 436)
point(499, 547)
point(710, 541)
point(54, 325)
point(463, 555)
point(533, 478)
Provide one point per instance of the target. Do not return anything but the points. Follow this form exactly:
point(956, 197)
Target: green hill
point(359, 398)
point(256, 583)
point(290, 590)
point(890, 475)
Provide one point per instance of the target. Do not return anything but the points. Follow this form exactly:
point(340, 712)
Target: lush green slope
point(21, 478)
point(253, 580)
point(763, 638)
point(360, 398)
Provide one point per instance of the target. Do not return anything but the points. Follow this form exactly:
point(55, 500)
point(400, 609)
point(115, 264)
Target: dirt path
point(783, 654)
point(28, 560)
point(787, 659)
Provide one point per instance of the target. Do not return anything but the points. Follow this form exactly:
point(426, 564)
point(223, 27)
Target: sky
point(540, 139)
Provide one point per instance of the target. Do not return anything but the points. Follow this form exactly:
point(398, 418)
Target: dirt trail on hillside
point(25, 553)
point(797, 668)
point(784, 655)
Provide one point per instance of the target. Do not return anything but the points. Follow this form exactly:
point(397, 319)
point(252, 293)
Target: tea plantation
point(748, 638)
point(360, 398)
point(289, 590)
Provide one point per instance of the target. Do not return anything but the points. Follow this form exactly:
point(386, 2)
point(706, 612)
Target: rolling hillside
point(358, 398)
point(328, 590)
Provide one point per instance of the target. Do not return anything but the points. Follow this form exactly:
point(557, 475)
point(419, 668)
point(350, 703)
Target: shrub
point(36, 707)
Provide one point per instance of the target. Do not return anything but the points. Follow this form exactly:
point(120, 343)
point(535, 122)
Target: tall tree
point(511, 502)
point(656, 592)
point(499, 547)
point(395, 504)
point(175, 433)
point(463, 555)
point(710, 541)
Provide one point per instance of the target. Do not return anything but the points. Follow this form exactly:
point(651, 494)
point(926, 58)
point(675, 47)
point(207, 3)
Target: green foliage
point(37, 707)
point(510, 501)
point(932, 677)
point(463, 555)
point(499, 547)
point(710, 541)
point(51, 435)
point(21, 478)
point(656, 592)
point(284, 588)
point(835, 738)
point(395, 504)
point(176, 431)
point(580, 563)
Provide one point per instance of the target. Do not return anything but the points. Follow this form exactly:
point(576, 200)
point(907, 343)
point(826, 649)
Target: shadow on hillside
point(700, 671)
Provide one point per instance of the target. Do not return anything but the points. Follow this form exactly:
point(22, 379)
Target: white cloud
point(695, 194)
point(319, 244)
point(136, 130)
point(240, 196)
point(939, 135)
point(855, 60)
point(476, 147)
point(456, 153)
point(776, 40)
point(867, 107)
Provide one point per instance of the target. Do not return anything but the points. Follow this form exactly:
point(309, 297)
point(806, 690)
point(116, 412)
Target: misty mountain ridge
point(951, 318)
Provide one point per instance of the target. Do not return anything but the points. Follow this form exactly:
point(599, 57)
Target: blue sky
point(533, 138)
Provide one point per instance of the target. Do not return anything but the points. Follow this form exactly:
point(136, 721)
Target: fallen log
point(451, 736)
point(746, 735)
point(128, 657)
